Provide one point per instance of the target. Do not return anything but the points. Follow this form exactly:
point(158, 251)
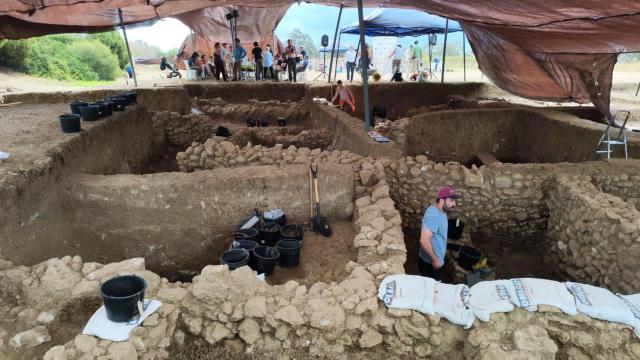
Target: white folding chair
point(190, 74)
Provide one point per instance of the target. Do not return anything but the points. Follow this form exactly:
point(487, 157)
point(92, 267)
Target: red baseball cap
point(447, 192)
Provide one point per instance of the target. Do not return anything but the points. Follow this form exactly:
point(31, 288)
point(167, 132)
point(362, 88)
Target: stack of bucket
point(266, 243)
point(70, 122)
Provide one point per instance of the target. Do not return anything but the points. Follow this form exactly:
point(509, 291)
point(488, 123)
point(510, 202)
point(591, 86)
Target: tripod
point(324, 67)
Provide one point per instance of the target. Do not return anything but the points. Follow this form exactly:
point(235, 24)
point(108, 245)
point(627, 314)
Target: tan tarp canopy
point(556, 50)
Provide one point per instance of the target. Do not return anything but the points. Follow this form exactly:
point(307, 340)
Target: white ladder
point(608, 140)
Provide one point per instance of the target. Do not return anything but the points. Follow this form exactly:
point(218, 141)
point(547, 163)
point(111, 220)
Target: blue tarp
point(401, 22)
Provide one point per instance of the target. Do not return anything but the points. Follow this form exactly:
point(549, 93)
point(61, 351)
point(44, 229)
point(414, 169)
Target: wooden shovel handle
point(315, 185)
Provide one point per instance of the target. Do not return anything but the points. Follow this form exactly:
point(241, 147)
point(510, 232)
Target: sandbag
point(410, 292)
point(450, 302)
point(488, 297)
point(528, 293)
point(600, 303)
point(633, 303)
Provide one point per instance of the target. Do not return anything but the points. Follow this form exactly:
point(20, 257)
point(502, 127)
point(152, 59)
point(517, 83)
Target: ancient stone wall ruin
point(595, 234)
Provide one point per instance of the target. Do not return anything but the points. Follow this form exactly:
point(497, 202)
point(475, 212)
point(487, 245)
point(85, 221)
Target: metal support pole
point(126, 42)
point(357, 50)
point(333, 46)
point(444, 50)
point(335, 69)
point(464, 58)
point(365, 62)
point(638, 89)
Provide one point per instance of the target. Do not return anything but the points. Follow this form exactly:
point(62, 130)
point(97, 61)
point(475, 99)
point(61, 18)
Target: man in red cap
point(433, 236)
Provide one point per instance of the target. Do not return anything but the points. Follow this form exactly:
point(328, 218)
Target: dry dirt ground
point(321, 259)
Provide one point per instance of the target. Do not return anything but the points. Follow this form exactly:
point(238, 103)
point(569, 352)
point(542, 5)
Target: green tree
point(115, 42)
point(303, 39)
point(94, 58)
point(171, 53)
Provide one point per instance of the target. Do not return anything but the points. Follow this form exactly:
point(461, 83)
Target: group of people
point(227, 58)
point(413, 57)
point(351, 60)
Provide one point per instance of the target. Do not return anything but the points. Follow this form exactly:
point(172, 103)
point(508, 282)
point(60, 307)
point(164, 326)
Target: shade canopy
point(401, 22)
point(554, 50)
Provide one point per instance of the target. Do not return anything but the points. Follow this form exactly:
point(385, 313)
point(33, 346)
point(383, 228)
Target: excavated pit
point(155, 182)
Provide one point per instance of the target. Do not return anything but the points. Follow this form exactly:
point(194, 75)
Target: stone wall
point(503, 198)
point(181, 222)
point(224, 111)
point(596, 236)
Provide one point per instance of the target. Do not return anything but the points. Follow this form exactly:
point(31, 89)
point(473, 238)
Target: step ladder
point(607, 141)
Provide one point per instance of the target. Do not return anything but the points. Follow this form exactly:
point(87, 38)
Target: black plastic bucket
point(269, 233)
point(265, 259)
point(247, 234)
point(119, 103)
point(468, 257)
point(106, 107)
point(89, 112)
point(289, 252)
point(69, 123)
point(123, 297)
point(454, 229)
point(248, 245)
point(279, 220)
point(235, 258)
point(292, 231)
point(102, 109)
point(129, 97)
point(75, 106)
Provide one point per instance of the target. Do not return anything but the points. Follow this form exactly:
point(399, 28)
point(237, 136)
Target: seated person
point(280, 65)
point(193, 62)
point(302, 67)
point(346, 96)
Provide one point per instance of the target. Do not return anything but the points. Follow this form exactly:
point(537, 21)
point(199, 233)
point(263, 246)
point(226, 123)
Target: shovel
point(319, 223)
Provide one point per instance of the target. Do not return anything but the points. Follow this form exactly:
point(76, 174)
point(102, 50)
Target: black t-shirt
point(257, 53)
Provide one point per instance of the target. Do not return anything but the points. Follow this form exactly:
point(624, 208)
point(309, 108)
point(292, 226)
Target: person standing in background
point(218, 61)
point(258, 59)
point(268, 63)
point(350, 62)
point(417, 57)
point(238, 54)
point(292, 54)
point(396, 59)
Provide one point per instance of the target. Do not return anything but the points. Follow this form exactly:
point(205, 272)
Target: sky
point(315, 20)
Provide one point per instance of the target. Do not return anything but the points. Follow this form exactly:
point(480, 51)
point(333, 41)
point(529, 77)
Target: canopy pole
point(364, 70)
point(357, 50)
point(444, 50)
point(126, 42)
point(335, 69)
point(464, 58)
point(333, 46)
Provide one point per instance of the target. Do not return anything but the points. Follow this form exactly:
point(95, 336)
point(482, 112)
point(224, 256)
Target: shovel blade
point(321, 225)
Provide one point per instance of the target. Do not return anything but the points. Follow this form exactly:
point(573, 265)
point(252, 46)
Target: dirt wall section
point(511, 135)
point(35, 223)
point(400, 98)
point(179, 221)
